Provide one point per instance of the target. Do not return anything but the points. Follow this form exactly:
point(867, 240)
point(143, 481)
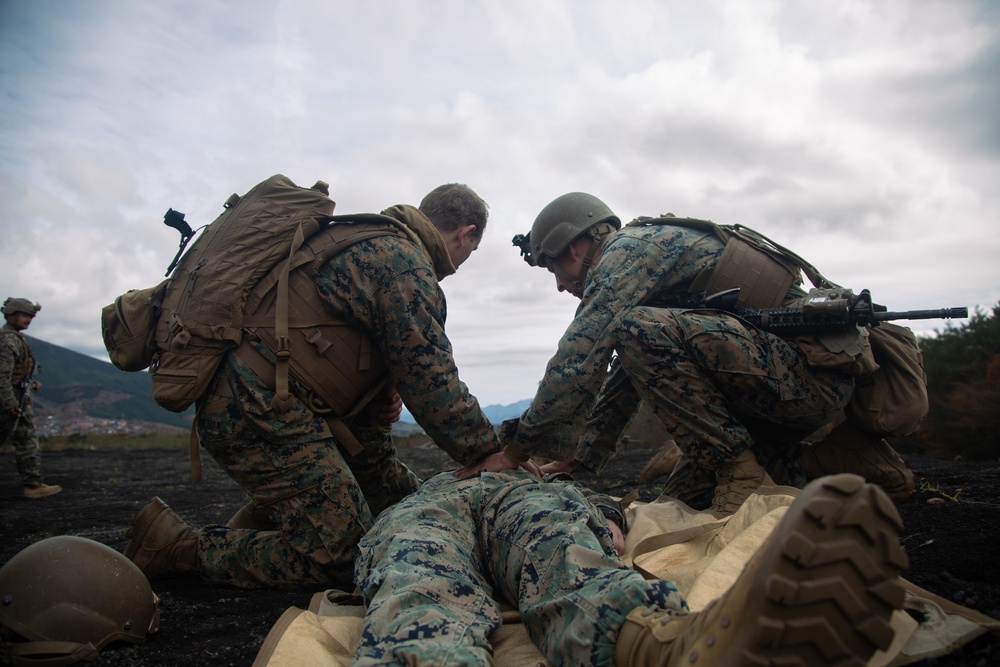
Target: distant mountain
point(74, 384)
point(496, 413)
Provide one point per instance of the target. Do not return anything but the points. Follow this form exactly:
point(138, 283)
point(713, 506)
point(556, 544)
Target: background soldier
point(17, 381)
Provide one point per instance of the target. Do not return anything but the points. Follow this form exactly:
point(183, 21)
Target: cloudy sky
point(863, 135)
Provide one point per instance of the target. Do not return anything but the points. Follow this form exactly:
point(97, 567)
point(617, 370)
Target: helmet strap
point(597, 235)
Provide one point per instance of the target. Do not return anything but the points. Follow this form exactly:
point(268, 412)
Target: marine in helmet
point(737, 400)
point(17, 381)
point(64, 599)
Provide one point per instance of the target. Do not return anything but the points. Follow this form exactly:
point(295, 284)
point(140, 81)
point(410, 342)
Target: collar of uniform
point(428, 234)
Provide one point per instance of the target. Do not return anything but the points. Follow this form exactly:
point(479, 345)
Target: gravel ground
point(951, 537)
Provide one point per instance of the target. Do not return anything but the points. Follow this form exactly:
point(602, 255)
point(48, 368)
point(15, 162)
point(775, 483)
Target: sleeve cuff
point(514, 455)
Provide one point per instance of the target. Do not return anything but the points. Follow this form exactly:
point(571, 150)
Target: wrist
point(514, 455)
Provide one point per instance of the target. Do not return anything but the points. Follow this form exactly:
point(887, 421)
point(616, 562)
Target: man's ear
point(573, 250)
point(465, 234)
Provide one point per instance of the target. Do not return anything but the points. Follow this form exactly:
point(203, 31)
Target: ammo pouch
point(890, 394)
point(848, 350)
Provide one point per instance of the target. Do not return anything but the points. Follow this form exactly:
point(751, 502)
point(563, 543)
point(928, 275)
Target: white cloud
point(860, 134)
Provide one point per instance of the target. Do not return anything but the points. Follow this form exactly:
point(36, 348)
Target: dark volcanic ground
point(951, 536)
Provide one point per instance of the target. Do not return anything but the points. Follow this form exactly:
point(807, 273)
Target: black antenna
point(175, 219)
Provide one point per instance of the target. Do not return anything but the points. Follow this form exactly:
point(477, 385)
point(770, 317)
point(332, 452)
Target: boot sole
point(49, 491)
point(136, 534)
point(833, 580)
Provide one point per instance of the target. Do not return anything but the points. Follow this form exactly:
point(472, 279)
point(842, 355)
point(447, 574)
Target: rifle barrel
point(933, 314)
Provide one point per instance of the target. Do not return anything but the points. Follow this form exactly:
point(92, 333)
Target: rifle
point(822, 310)
point(25, 385)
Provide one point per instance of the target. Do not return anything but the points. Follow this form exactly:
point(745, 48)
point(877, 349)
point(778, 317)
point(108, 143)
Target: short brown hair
point(455, 205)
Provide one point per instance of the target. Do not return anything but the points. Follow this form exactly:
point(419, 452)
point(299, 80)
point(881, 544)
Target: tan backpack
point(250, 272)
point(203, 304)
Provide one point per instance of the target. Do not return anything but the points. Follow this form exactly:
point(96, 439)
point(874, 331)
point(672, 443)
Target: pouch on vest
point(893, 399)
point(128, 327)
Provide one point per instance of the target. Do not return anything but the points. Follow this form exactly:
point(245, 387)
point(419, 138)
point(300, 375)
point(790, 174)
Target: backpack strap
point(282, 398)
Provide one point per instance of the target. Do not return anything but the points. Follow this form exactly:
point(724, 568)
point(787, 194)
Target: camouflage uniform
point(17, 364)
point(713, 381)
point(321, 499)
point(432, 565)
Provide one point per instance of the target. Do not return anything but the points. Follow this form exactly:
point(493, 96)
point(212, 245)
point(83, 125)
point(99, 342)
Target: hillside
point(496, 413)
point(75, 385)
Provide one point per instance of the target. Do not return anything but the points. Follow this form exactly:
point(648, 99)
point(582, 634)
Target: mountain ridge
point(77, 385)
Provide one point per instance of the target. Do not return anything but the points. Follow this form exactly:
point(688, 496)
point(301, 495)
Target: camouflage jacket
point(388, 286)
point(16, 364)
point(638, 266)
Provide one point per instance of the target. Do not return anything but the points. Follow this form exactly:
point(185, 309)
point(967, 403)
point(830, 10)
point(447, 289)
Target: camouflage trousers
point(320, 500)
point(27, 453)
point(432, 566)
point(720, 387)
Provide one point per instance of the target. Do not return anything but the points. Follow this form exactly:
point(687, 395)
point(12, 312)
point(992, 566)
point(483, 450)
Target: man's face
point(20, 321)
point(571, 263)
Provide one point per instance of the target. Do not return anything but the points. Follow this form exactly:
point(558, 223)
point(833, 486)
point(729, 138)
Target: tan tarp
point(700, 553)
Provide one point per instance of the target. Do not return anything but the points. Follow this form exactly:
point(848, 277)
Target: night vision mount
point(523, 241)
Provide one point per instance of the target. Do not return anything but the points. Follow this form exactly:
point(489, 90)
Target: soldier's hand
point(14, 411)
point(557, 467)
point(496, 463)
point(37, 386)
point(392, 406)
point(618, 537)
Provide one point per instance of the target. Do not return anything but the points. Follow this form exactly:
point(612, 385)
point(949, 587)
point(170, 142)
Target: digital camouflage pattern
point(709, 379)
point(432, 566)
point(17, 364)
point(321, 498)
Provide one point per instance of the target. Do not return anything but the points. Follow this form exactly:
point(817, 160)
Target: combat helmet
point(65, 598)
point(14, 304)
point(563, 220)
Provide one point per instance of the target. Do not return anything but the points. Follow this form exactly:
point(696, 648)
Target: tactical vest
point(334, 359)
point(764, 271)
point(24, 368)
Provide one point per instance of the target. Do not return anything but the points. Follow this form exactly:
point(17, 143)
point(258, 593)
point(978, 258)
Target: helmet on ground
point(563, 220)
point(67, 597)
point(13, 304)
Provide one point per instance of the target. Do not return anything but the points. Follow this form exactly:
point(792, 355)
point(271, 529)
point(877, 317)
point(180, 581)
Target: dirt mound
point(951, 538)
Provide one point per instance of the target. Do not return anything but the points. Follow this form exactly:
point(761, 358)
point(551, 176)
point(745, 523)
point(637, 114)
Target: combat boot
point(662, 463)
point(820, 591)
point(160, 542)
point(41, 490)
point(735, 481)
point(848, 449)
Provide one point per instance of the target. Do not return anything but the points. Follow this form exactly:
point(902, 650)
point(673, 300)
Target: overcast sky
point(864, 135)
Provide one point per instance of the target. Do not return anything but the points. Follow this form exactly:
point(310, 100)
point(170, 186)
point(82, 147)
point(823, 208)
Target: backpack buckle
point(283, 348)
